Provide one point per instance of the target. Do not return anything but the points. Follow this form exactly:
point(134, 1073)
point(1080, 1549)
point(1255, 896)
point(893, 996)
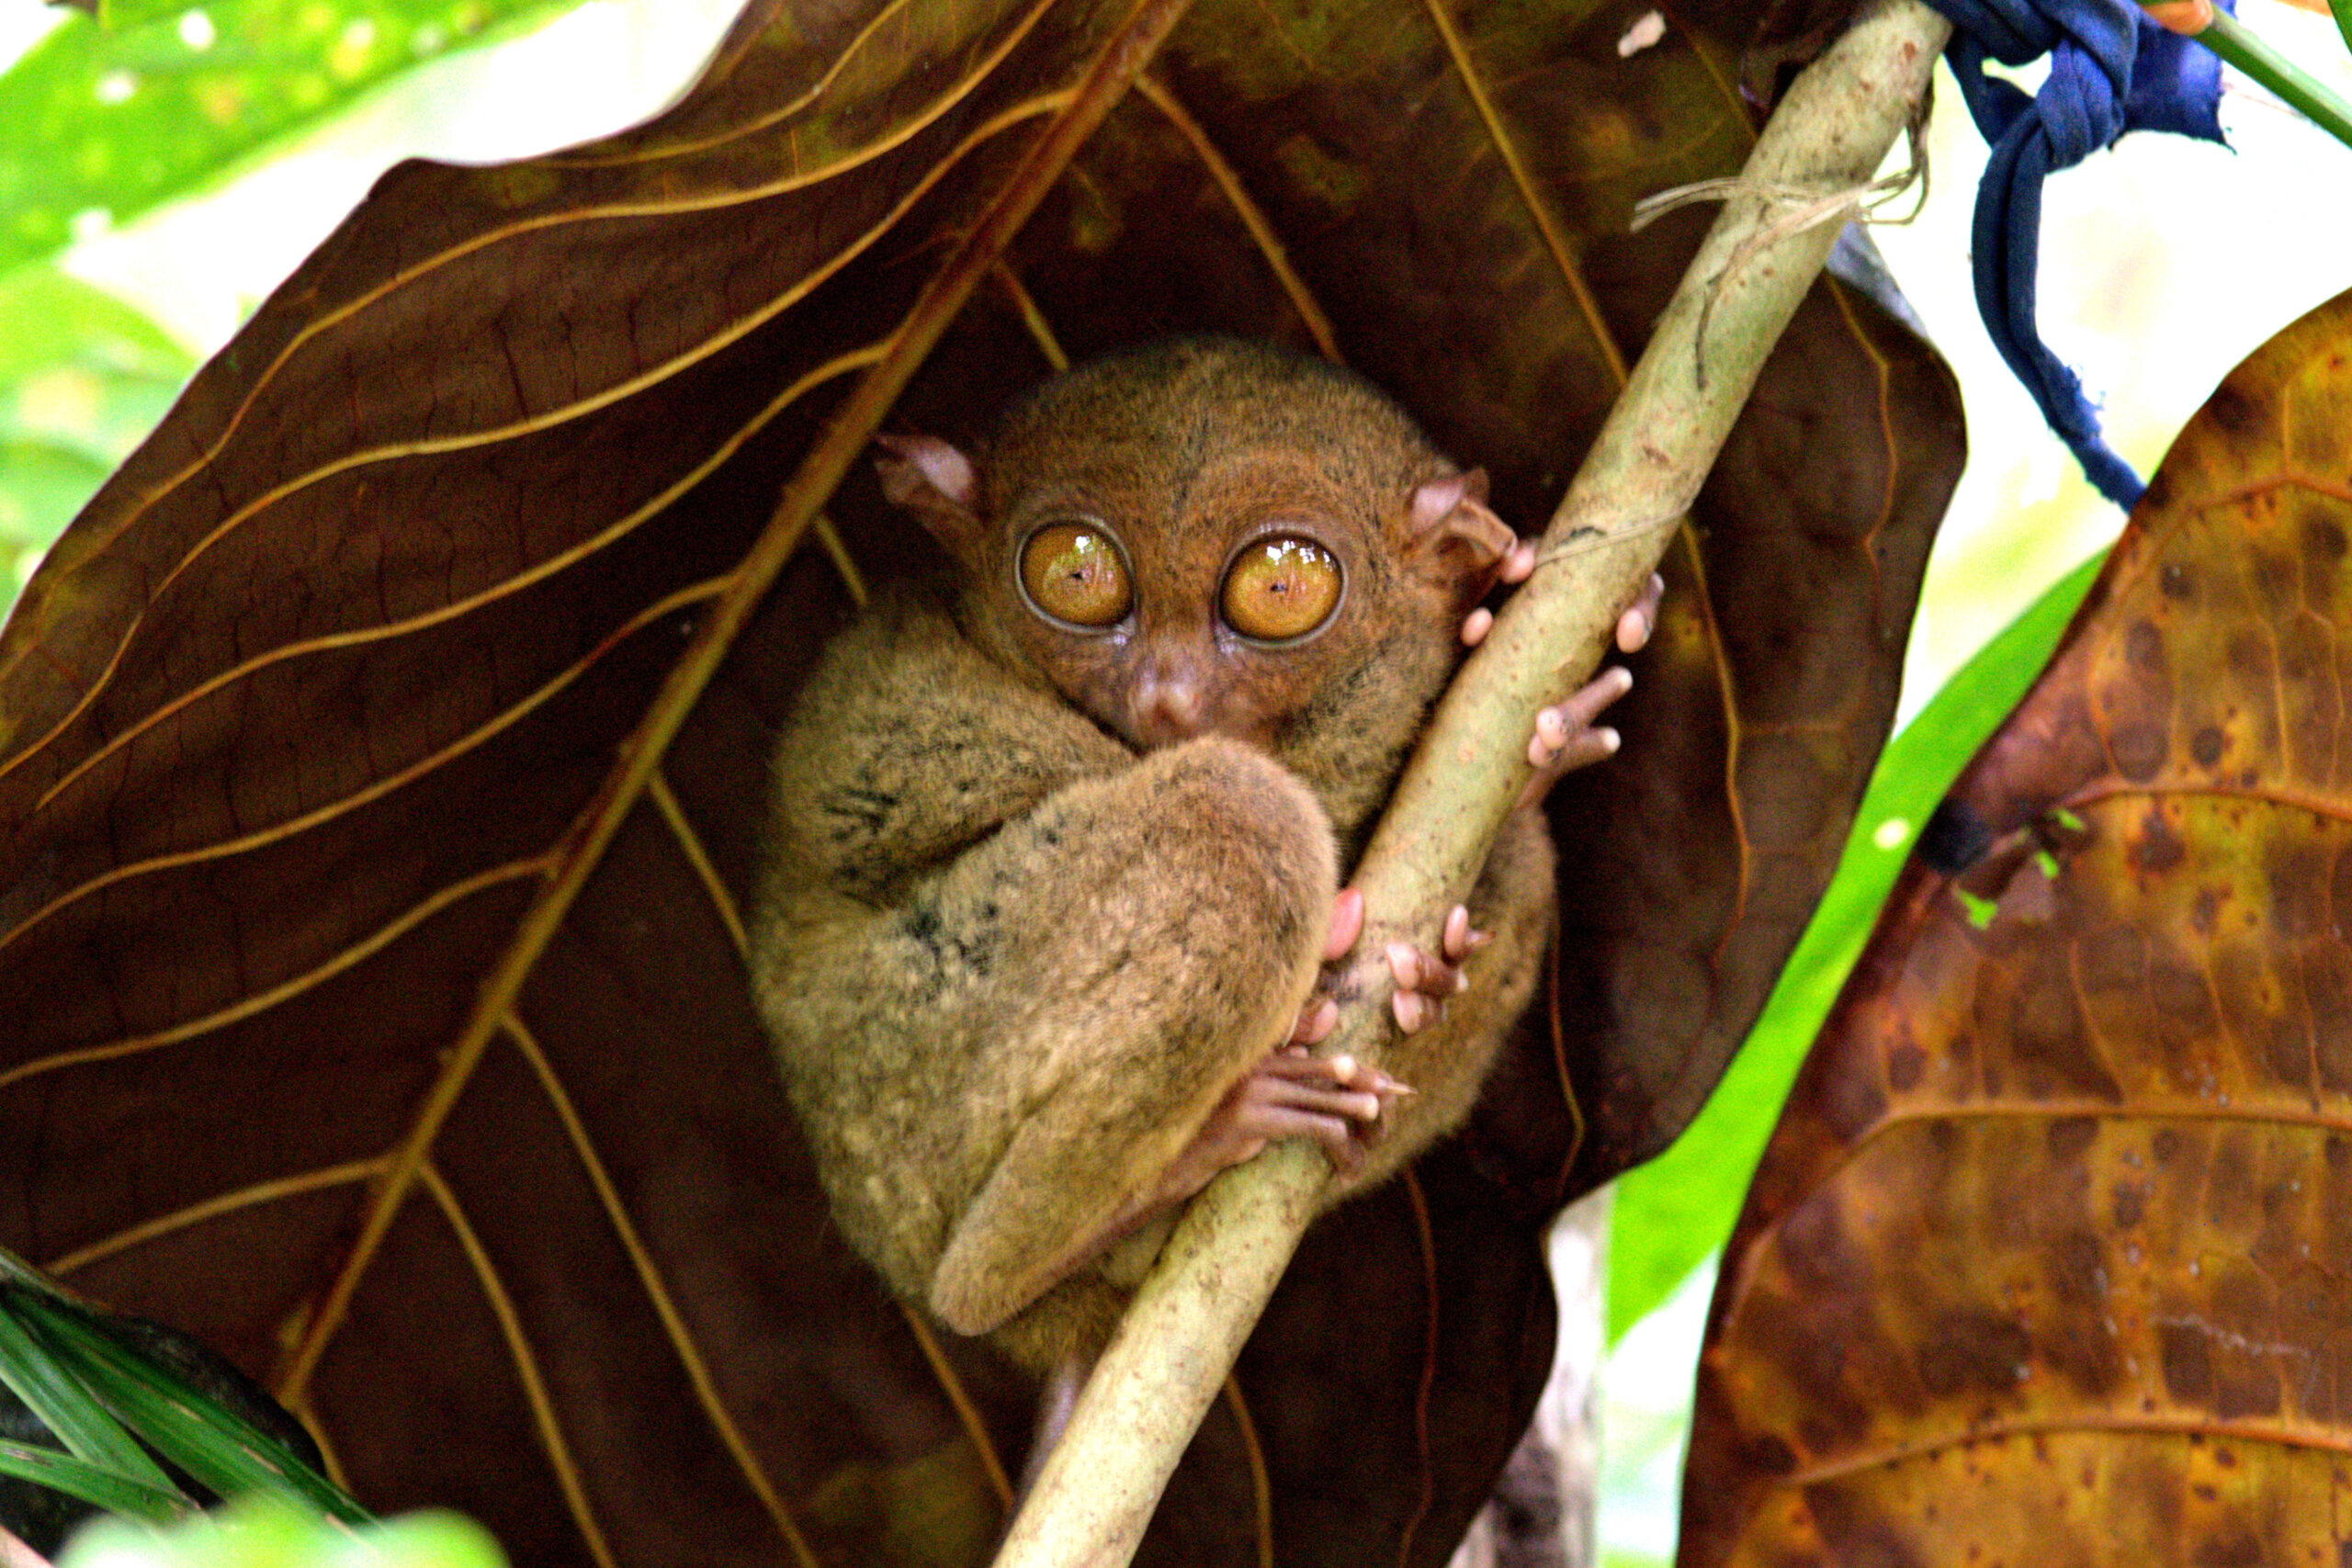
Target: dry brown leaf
point(2047, 1262)
point(380, 754)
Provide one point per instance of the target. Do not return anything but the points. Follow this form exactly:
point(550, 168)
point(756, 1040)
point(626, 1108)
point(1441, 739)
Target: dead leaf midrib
point(1129, 47)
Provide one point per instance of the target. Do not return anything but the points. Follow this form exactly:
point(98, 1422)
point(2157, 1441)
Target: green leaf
point(116, 120)
point(223, 1452)
point(1679, 1209)
point(259, 1533)
point(48, 317)
point(82, 378)
point(37, 1375)
point(43, 485)
point(92, 1484)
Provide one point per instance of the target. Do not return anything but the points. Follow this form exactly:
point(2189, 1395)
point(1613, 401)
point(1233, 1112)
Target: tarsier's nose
point(1170, 704)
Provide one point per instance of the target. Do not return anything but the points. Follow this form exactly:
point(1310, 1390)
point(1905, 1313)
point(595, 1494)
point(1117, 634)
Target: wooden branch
point(1138, 1411)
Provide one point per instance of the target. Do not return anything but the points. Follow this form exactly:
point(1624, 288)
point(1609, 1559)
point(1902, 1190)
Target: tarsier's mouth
point(1157, 736)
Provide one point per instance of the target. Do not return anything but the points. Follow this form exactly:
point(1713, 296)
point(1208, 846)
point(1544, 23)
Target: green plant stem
point(2240, 46)
point(1173, 1352)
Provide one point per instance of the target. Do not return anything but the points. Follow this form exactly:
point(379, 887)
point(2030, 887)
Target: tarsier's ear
point(1452, 540)
point(938, 484)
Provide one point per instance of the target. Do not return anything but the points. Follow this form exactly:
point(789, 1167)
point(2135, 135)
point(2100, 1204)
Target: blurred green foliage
point(258, 1533)
point(107, 119)
point(83, 377)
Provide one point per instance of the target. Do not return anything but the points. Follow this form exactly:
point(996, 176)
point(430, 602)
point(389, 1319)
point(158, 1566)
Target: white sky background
point(2164, 264)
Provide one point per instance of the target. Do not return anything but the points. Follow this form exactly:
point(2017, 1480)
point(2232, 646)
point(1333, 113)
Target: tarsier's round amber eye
point(1075, 573)
point(1281, 588)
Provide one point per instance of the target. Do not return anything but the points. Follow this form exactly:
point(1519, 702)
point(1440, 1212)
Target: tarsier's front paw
point(1565, 737)
point(1425, 980)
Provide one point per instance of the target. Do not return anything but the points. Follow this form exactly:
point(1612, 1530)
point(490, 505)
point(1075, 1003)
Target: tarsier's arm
point(1000, 1036)
point(1458, 996)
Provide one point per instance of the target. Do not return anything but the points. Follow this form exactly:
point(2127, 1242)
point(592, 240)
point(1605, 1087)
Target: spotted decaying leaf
point(2051, 1262)
point(381, 754)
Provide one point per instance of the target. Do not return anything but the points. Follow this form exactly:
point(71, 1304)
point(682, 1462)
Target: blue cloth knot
point(2113, 69)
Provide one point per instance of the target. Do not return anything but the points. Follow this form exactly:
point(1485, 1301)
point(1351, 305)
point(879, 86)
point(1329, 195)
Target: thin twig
point(1098, 1489)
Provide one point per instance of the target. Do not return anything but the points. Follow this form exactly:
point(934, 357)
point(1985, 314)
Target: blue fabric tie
point(2111, 70)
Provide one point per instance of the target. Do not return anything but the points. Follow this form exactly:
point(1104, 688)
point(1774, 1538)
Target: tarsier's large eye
point(1281, 588)
point(1074, 573)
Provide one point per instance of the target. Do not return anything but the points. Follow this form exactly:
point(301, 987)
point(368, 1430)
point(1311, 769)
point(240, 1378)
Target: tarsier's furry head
point(1210, 535)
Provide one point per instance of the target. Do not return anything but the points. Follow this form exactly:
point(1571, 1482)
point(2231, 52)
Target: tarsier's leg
point(1294, 1093)
point(1179, 914)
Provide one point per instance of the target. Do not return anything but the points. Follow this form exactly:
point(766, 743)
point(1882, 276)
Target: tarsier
point(1055, 850)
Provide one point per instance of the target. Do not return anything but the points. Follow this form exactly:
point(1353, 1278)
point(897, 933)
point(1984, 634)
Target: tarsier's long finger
point(1564, 737)
point(1321, 1015)
point(1517, 563)
point(1563, 748)
point(1633, 628)
point(1414, 970)
point(1335, 1136)
point(1591, 700)
point(1411, 1009)
point(1349, 1104)
point(1342, 1071)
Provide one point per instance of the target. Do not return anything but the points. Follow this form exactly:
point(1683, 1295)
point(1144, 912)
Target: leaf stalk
point(2240, 46)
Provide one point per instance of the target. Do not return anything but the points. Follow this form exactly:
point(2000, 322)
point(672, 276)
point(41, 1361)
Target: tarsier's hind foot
point(1335, 1100)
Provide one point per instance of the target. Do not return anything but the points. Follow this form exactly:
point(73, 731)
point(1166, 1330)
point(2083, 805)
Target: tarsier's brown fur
point(1015, 939)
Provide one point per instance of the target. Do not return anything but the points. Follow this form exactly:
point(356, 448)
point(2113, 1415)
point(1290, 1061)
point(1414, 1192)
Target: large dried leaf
point(2048, 1261)
point(372, 897)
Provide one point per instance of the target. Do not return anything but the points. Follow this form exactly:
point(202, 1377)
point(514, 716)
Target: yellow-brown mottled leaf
point(2051, 1260)
point(382, 754)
